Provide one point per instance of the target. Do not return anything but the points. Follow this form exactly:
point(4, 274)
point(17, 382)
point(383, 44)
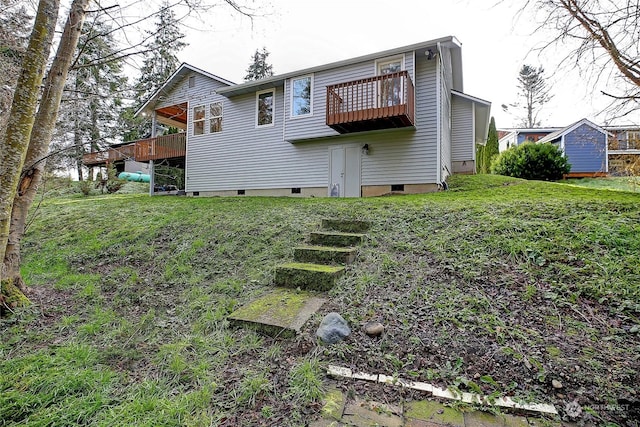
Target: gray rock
point(556, 384)
point(373, 329)
point(333, 328)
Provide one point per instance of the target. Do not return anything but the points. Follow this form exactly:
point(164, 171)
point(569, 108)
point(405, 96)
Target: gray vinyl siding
point(586, 149)
point(462, 138)
point(201, 93)
point(314, 126)
point(245, 157)
point(446, 83)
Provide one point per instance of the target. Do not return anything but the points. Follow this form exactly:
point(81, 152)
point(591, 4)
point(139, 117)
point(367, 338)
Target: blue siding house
point(585, 146)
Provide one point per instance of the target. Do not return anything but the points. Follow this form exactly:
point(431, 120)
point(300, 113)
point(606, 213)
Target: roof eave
point(279, 80)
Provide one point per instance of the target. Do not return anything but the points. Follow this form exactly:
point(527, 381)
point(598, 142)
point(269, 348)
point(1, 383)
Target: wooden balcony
point(161, 147)
point(380, 102)
point(110, 155)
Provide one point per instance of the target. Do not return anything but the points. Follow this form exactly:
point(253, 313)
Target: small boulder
point(373, 329)
point(556, 384)
point(333, 328)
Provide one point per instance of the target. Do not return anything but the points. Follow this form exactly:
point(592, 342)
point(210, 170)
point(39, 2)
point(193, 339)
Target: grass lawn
point(621, 183)
point(497, 286)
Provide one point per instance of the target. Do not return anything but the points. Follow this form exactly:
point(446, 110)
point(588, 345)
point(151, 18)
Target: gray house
point(393, 121)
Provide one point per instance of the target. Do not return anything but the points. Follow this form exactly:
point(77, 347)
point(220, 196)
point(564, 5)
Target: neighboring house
point(393, 121)
point(513, 137)
point(624, 150)
point(585, 146)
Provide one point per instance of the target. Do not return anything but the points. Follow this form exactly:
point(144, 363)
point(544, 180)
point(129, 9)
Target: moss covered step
point(324, 255)
point(335, 238)
point(307, 276)
point(280, 313)
point(345, 225)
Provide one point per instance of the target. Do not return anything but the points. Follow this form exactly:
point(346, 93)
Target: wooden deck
point(380, 102)
point(161, 147)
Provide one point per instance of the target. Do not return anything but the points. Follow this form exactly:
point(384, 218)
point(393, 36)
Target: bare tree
point(602, 39)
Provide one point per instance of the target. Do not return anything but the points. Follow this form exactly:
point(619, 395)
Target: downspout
point(438, 118)
point(151, 171)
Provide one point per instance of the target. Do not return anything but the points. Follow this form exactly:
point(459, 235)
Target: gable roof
point(183, 70)
point(562, 132)
point(482, 111)
point(279, 80)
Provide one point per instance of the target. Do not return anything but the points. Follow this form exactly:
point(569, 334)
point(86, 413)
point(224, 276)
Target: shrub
point(543, 162)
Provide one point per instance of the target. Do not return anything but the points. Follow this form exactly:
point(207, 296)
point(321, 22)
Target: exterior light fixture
point(365, 149)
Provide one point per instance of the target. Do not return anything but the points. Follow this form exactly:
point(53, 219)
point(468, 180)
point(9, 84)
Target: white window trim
point(388, 60)
point(273, 113)
point(203, 120)
point(215, 117)
point(310, 113)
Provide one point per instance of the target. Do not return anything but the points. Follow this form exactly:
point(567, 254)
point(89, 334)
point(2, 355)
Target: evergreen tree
point(14, 23)
point(88, 116)
point(492, 149)
point(160, 59)
point(159, 62)
point(533, 88)
point(259, 68)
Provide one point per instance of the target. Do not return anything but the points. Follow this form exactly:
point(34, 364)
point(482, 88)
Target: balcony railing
point(379, 102)
point(624, 144)
point(110, 155)
point(161, 147)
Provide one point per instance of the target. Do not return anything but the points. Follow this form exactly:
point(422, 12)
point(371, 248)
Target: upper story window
point(192, 81)
point(207, 120)
point(633, 140)
point(215, 117)
point(301, 90)
point(390, 90)
point(265, 104)
point(198, 119)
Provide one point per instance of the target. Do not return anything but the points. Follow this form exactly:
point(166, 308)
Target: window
point(198, 120)
point(215, 117)
point(265, 105)
point(390, 89)
point(301, 89)
point(207, 120)
point(633, 140)
point(192, 81)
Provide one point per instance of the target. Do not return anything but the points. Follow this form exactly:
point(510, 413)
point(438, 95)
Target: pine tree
point(492, 149)
point(159, 62)
point(259, 68)
point(533, 88)
point(89, 113)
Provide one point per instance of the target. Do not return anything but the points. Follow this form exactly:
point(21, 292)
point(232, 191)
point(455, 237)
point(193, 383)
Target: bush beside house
point(544, 162)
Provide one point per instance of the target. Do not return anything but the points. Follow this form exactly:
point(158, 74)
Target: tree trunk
point(40, 139)
point(21, 120)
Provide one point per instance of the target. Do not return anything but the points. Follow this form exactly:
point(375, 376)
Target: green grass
point(129, 326)
point(626, 183)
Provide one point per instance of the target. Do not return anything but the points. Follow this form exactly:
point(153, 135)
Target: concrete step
point(345, 225)
point(307, 276)
point(335, 238)
point(324, 255)
point(279, 313)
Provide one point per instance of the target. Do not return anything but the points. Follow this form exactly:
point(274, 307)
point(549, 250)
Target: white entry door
point(344, 171)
